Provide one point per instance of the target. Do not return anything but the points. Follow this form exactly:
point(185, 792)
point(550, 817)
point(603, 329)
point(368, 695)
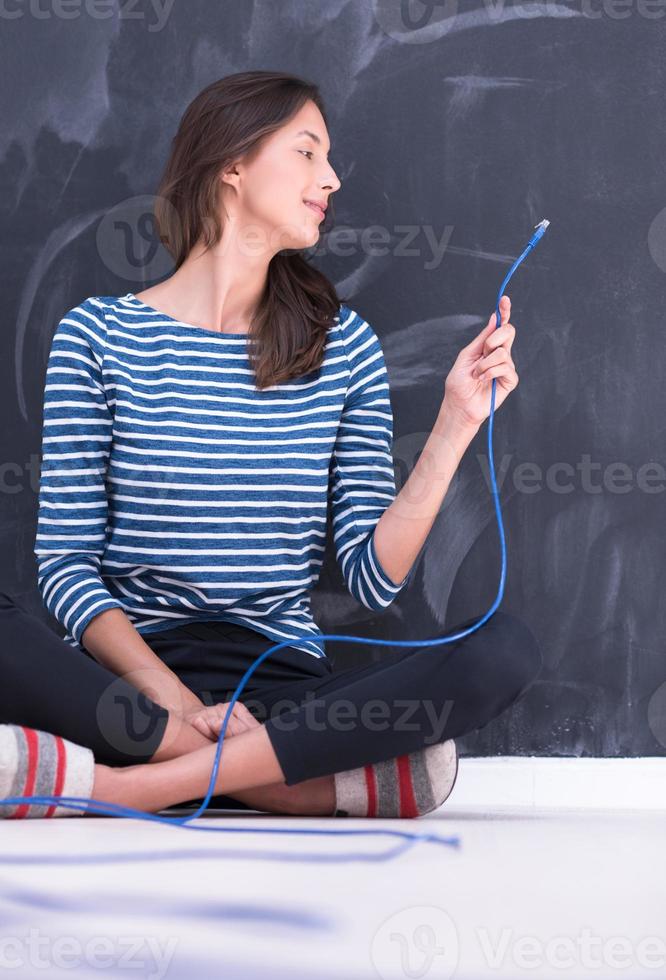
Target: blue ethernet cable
point(113, 809)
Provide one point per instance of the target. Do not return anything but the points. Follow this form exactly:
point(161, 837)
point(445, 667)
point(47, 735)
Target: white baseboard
point(532, 781)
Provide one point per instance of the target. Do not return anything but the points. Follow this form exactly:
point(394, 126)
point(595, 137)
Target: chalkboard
point(455, 129)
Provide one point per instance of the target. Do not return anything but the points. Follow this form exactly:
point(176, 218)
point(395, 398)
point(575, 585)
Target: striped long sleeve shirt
point(174, 489)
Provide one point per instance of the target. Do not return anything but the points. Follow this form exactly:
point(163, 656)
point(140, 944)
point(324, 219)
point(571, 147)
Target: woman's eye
point(307, 151)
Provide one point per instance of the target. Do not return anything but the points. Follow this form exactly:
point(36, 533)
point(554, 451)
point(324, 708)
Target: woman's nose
point(332, 181)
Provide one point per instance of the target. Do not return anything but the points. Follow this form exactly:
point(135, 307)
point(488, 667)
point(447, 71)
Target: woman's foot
point(407, 786)
point(34, 763)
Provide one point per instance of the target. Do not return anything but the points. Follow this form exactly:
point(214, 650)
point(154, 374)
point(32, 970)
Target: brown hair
point(227, 120)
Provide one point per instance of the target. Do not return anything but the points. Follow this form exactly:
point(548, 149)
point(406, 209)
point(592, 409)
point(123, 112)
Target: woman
point(194, 435)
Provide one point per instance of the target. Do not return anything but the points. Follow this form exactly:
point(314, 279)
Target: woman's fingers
point(476, 345)
point(498, 364)
point(209, 722)
point(490, 331)
point(203, 726)
point(499, 356)
point(500, 371)
point(241, 718)
point(504, 337)
point(245, 715)
point(248, 721)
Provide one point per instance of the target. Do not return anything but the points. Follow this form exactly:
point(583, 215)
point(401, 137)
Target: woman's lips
point(315, 207)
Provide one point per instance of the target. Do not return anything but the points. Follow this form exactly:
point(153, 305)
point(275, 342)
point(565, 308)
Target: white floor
point(509, 891)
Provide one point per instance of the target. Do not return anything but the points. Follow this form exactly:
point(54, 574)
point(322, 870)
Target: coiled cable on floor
point(112, 809)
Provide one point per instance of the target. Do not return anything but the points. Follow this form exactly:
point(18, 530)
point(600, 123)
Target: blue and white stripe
point(173, 489)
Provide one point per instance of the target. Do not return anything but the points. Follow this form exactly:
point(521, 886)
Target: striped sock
point(407, 786)
point(36, 763)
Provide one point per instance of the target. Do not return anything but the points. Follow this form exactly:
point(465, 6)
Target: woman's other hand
point(208, 719)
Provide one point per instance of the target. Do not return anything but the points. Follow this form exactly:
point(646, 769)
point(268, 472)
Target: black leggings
point(319, 720)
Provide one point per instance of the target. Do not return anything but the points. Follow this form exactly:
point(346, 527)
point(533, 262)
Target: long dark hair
point(227, 120)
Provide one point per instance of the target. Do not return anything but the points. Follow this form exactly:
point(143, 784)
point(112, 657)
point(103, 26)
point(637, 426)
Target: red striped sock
point(407, 786)
point(37, 763)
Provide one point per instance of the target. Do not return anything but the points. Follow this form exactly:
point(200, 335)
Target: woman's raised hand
point(469, 382)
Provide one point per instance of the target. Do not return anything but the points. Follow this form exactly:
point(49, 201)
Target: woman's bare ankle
point(312, 797)
point(107, 787)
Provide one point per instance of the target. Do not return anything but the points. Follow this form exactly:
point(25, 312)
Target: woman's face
point(290, 167)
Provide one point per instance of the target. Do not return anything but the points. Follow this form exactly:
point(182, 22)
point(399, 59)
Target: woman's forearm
point(114, 642)
point(404, 526)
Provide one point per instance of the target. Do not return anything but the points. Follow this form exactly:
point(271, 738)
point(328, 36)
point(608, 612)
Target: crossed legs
point(49, 685)
point(249, 771)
